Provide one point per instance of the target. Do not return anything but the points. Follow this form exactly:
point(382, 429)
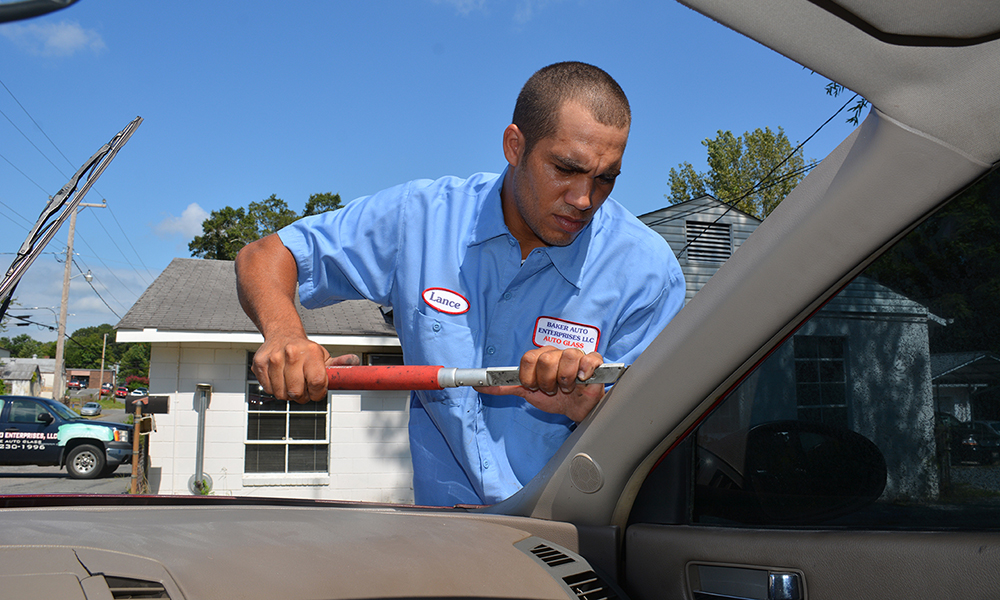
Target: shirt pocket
point(443, 340)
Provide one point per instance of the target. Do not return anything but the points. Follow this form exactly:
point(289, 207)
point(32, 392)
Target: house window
point(285, 437)
point(709, 242)
point(820, 382)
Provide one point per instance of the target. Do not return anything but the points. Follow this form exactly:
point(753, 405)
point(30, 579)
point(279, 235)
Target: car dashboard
point(221, 551)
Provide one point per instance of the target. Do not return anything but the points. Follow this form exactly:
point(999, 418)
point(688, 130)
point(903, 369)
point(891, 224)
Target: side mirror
point(794, 473)
point(806, 472)
point(44, 417)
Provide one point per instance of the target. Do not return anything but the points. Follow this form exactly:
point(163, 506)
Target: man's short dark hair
point(537, 108)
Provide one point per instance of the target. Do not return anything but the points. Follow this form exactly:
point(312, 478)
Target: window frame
point(286, 441)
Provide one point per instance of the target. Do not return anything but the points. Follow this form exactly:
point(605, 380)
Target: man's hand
point(548, 381)
point(288, 366)
point(294, 368)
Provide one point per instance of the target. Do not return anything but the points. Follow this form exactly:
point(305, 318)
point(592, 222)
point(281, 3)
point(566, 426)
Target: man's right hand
point(294, 368)
point(288, 366)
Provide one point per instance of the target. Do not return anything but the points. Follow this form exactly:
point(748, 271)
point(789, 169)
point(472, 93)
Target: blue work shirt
point(441, 255)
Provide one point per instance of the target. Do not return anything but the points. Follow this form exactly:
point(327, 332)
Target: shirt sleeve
point(638, 330)
point(350, 253)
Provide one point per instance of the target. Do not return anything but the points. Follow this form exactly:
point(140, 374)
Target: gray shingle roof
point(17, 371)
point(45, 365)
point(194, 294)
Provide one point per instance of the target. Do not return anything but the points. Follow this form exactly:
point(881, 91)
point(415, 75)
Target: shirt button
point(486, 464)
point(436, 326)
point(507, 295)
point(512, 241)
point(491, 350)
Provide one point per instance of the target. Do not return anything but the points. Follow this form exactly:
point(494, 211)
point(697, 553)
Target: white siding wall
point(670, 223)
point(369, 451)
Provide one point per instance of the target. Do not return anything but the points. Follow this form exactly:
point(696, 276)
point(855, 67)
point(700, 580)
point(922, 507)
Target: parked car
point(90, 409)
point(139, 392)
point(974, 442)
point(73, 384)
point(121, 392)
point(41, 431)
point(106, 389)
point(777, 440)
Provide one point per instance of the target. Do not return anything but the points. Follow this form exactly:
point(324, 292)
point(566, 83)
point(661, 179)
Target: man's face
point(563, 181)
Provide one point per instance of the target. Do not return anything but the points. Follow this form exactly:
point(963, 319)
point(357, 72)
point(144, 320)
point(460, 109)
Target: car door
point(29, 433)
point(828, 470)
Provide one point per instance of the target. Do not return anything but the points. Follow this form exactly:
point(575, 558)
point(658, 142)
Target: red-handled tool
point(415, 377)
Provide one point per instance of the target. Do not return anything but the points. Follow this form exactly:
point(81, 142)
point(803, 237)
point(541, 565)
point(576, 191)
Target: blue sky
point(242, 100)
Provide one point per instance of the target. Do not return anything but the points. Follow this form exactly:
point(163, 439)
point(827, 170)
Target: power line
point(129, 240)
point(101, 260)
point(54, 145)
point(112, 238)
point(32, 143)
point(90, 281)
point(68, 161)
point(731, 205)
point(13, 166)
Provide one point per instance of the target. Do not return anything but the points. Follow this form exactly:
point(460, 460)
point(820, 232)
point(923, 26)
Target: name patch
point(550, 331)
point(446, 301)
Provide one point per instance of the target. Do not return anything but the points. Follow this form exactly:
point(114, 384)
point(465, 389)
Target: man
point(535, 267)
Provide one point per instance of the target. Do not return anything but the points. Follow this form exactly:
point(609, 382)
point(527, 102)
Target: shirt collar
point(490, 223)
point(569, 260)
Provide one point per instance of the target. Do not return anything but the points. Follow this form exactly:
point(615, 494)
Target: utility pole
point(57, 380)
point(103, 348)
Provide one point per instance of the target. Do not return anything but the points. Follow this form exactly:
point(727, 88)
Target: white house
point(22, 376)
point(353, 447)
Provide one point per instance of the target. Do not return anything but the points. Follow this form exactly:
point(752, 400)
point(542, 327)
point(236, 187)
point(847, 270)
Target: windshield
point(63, 412)
point(152, 319)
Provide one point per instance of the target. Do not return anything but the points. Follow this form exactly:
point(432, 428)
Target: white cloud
point(187, 225)
point(464, 7)
point(64, 38)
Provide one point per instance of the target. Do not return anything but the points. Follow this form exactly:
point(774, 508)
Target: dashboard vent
point(123, 588)
point(589, 586)
point(551, 556)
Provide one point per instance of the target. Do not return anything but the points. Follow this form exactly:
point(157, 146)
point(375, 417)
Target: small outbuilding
point(353, 446)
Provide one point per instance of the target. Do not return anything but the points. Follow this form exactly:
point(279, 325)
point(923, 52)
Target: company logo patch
point(550, 331)
point(446, 301)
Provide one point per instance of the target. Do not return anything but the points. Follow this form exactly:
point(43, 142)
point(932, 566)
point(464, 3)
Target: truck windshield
point(63, 412)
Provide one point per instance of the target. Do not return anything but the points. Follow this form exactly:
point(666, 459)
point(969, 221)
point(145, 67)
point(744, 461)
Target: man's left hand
point(548, 381)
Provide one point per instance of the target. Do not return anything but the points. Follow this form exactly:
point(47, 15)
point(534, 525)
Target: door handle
point(711, 582)
point(784, 586)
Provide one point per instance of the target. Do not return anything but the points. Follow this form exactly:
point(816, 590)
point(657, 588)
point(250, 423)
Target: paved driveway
point(53, 480)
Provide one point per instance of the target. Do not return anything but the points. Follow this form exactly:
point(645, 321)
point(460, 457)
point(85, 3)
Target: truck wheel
point(85, 462)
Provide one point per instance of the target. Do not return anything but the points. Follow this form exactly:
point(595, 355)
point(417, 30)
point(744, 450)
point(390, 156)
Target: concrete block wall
point(369, 450)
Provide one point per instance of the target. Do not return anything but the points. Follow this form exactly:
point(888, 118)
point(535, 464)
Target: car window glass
point(64, 412)
point(25, 411)
point(880, 409)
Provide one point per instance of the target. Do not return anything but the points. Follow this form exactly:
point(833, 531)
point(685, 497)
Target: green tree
point(224, 232)
point(269, 215)
point(84, 346)
point(754, 172)
point(134, 362)
point(23, 346)
point(228, 229)
point(835, 89)
point(321, 203)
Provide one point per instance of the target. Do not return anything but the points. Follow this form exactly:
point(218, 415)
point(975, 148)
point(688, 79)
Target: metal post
point(135, 445)
point(103, 348)
point(200, 482)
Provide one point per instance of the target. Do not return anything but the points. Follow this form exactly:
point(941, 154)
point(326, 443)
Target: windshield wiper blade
point(66, 201)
